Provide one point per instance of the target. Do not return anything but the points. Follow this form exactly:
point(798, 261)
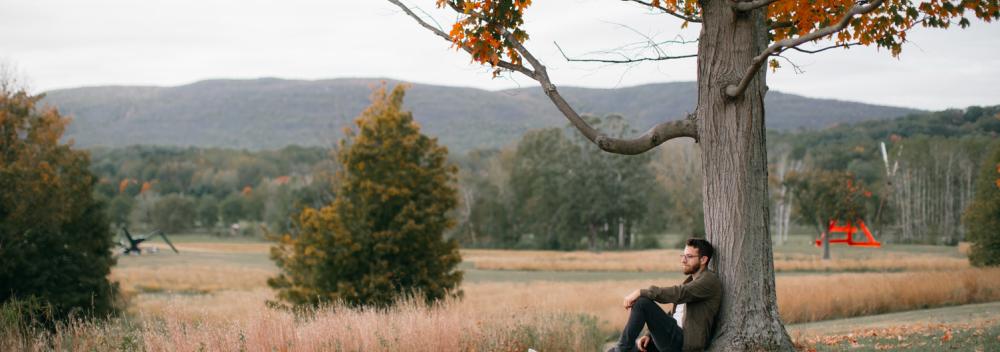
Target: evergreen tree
point(381, 237)
point(982, 217)
point(55, 239)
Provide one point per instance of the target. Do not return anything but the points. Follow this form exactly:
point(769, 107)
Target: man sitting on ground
point(696, 301)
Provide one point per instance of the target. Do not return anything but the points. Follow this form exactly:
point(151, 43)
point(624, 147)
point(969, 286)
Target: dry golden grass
point(190, 278)
point(492, 316)
point(964, 247)
point(801, 298)
point(812, 298)
point(649, 260)
point(668, 261)
point(410, 326)
point(215, 304)
point(214, 247)
point(217, 307)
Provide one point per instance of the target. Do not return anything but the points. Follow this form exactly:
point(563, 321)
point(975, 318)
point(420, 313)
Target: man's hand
point(643, 341)
point(630, 299)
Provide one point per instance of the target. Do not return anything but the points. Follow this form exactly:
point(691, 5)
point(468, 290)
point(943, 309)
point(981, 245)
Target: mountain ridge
point(269, 113)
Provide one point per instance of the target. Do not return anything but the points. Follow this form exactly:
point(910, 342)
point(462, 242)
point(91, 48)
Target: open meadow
point(213, 295)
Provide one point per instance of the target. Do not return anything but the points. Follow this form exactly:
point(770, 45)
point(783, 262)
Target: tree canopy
point(491, 29)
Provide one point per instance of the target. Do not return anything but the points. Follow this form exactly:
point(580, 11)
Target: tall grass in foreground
point(410, 326)
point(546, 316)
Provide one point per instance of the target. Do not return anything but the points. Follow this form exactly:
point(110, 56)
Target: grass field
point(213, 295)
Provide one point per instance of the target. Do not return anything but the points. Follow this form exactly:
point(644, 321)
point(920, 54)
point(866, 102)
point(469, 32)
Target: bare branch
point(776, 48)
point(749, 5)
point(626, 60)
point(845, 45)
point(795, 67)
point(668, 11)
point(655, 136)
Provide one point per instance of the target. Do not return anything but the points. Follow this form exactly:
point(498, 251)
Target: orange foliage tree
point(737, 38)
point(55, 239)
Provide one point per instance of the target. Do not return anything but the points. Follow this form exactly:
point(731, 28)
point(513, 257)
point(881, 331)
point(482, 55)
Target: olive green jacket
point(702, 293)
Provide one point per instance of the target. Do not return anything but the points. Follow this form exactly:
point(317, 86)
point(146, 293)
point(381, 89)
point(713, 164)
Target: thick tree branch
point(776, 48)
point(777, 25)
point(749, 5)
point(624, 60)
point(653, 137)
point(668, 11)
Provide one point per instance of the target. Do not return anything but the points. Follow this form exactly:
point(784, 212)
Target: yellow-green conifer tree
point(382, 236)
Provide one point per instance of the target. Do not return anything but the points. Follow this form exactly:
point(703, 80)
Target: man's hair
point(704, 248)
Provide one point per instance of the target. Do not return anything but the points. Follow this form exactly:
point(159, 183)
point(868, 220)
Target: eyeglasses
point(686, 257)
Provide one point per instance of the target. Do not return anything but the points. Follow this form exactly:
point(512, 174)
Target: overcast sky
point(68, 43)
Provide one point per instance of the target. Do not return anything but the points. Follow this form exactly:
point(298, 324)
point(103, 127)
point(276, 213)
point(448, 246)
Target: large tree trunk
point(734, 165)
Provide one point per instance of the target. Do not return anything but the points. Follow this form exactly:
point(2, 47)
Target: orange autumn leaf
point(947, 336)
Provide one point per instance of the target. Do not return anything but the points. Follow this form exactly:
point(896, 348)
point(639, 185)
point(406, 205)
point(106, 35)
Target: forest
point(551, 189)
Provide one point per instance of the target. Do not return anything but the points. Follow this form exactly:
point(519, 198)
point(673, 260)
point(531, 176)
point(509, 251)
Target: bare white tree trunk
point(781, 200)
point(621, 233)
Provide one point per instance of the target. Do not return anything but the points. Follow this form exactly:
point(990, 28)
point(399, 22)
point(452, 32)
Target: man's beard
point(688, 270)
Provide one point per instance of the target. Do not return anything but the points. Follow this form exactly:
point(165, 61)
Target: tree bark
point(734, 166)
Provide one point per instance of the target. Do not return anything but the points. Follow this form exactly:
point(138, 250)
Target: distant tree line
point(183, 189)
point(917, 195)
point(552, 190)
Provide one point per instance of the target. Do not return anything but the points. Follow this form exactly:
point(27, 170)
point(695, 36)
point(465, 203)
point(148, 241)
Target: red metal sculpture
point(849, 230)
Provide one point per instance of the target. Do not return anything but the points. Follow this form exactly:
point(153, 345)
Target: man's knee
point(643, 303)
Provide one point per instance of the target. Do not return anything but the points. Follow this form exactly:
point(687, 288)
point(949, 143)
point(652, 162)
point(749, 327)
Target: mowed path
point(970, 313)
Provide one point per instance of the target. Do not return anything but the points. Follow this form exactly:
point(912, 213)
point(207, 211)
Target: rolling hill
point(271, 113)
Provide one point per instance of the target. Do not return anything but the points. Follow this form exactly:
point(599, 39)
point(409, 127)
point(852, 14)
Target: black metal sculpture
point(132, 244)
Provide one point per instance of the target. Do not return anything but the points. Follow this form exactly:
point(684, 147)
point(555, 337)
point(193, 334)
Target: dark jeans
point(667, 336)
